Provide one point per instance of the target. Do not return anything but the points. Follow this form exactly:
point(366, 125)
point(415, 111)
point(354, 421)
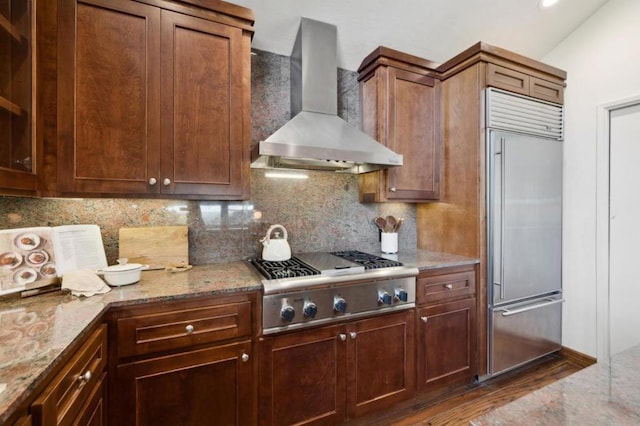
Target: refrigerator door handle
point(499, 164)
point(509, 312)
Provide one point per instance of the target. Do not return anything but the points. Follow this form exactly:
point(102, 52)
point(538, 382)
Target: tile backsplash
point(321, 213)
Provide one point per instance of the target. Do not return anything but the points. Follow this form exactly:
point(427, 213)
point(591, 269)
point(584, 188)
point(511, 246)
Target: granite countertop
point(601, 394)
point(37, 332)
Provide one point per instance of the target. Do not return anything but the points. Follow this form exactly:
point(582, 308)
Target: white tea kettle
point(275, 249)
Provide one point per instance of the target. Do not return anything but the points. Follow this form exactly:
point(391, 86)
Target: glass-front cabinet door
point(17, 147)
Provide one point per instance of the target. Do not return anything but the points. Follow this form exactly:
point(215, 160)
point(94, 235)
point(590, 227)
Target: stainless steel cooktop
point(316, 288)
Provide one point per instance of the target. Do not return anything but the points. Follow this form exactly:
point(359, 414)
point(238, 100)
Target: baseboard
point(576, 357)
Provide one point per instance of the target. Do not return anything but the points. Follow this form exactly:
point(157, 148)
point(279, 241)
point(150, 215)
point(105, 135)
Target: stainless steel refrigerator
point(524, 229)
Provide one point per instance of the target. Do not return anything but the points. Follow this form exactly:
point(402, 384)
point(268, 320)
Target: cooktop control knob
point(384, 298)
point(310, 310)
point(401, 295)
point(287, 313)
point(339, 305)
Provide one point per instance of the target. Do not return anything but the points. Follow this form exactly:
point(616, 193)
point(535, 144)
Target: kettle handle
point(267, 237)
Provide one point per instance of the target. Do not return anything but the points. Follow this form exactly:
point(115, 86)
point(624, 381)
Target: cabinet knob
point(84, 378)
point(189, 329)
point(353, 334)
point(166, 182)
point(424, 319)
point(392, 189)
point(448, 287)
point(245, 357)
point(342, 336)
point(152, 181)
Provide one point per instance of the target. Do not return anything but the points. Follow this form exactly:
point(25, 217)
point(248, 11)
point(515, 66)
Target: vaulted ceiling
point(434, 30)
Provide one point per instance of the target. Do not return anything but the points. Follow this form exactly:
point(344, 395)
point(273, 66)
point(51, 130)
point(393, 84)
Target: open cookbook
point(36, 257)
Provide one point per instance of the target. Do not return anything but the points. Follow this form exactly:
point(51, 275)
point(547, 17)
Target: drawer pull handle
point(189, 329)
point(245, 357)
point(84, 378)
point(166, 181)
point(424, 319)
point(353, 334)
point(448, 287)
point(152, 181)
point(342, 336)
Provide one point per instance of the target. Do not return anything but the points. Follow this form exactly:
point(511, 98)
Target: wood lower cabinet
point(446, 343)
point(400, 109)
point(152, 101)
point(446, 327)
point(202, 387)
point(330, 374)
point(184, 363)
point(77, 395)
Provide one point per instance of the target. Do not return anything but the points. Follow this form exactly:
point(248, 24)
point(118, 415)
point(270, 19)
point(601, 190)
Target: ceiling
point(434, 30)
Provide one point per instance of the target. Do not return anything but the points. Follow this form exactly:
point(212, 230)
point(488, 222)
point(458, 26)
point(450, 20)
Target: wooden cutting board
point(156, 246)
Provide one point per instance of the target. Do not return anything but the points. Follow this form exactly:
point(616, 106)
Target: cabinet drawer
point(182, 327)
point(446, 286)
point(507, 79)
point(62, 401)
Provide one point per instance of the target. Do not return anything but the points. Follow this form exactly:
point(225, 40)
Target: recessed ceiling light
point(546, 3)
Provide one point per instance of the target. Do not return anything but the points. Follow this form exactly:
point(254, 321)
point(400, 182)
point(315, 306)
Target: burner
point(293, 267)
point(369, 261)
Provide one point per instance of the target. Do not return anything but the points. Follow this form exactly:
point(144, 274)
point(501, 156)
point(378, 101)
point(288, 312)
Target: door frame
point(603, 214)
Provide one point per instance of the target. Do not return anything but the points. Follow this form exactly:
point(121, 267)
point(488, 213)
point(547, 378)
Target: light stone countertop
point(600, 394)
point(37, 332)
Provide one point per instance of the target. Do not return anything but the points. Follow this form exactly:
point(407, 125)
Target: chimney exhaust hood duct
point(316, 138)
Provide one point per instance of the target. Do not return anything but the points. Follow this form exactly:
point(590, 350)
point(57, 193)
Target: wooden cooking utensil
point(380, 223)
point(391, 224)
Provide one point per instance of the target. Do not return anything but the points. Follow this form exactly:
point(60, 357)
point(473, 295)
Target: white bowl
point(118, 275)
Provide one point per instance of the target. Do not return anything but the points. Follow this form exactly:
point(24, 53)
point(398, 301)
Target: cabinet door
point(302, 377)
point(413, 132)
point(17, 148)
point(380, 362)
point(202, 107)
point(108, 96)
point(446, 343)
point(202, 387)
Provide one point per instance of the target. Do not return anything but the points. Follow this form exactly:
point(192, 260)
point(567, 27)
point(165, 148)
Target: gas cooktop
point(336, 263)
point(319, 288)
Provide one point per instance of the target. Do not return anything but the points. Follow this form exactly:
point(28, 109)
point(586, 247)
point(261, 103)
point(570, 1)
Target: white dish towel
point(84, 282)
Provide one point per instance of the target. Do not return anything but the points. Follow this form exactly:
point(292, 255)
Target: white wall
point(602, 60)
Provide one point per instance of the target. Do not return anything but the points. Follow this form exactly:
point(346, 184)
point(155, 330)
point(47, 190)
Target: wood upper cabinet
point(152, 102)
point(334, 373)
point(184, 362)
point(17, 89)
point(524, 84)
point(400, 109)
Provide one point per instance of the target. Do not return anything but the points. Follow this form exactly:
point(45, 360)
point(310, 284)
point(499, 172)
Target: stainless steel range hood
point(316, 138)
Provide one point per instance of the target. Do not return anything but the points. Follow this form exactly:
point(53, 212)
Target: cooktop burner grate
point(369, 261)
point(293, 267)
